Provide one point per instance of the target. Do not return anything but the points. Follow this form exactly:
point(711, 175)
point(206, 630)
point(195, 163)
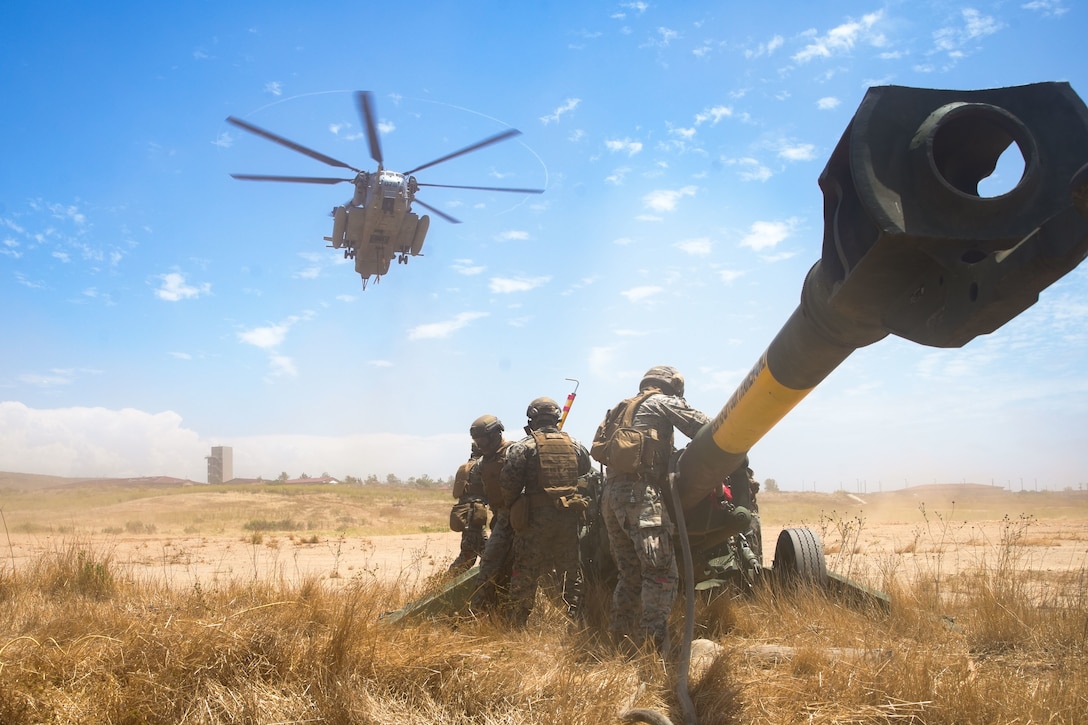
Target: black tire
point(799, 558)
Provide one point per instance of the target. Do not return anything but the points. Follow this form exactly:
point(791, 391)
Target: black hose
point(689, 608)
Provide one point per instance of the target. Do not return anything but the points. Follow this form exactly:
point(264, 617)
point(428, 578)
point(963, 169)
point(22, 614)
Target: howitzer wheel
point(799, 557)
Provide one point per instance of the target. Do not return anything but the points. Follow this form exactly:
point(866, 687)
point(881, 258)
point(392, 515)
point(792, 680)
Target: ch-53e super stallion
point(377, 224)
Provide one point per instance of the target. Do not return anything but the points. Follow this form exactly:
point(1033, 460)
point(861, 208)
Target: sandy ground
point(872, 539)
point(906, 550)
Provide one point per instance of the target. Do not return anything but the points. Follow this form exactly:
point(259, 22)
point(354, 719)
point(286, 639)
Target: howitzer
point(909, 248)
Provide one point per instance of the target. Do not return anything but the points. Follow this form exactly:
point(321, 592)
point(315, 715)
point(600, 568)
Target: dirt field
point(189, 535)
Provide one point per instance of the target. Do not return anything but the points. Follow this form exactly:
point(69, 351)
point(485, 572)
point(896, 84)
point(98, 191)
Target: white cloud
point(90, 442)
point(666, 199)
point(96, 442)
point(512, 235)
point(766, 235)
point(281, 366)
point(729, 276)
point(265, 337)
point(617, 176)
point(751, 169)
point(827, 103)
point(568, 105)
point(640, 294)
point(696, 247)
point(841, 39)
point(625, 145)
point(435, 330)
point(505, 285)
point(274, 87)
point(1049, 8)
point(271, 336)
point(765, 48)
point(174, 288)
point(713, 114)
point(467, 268)
point(797, 152)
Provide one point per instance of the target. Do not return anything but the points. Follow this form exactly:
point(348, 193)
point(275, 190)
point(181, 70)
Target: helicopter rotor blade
point(295, 179)
point(439, 212)
point(290, 144)
point(508, 133)
point(483, 188)
point(365, 99)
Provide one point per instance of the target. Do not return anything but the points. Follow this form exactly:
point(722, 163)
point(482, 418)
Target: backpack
point(618, 444)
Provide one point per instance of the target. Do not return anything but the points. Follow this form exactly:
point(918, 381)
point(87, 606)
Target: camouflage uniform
point(551, 540)
point(495, 559)
point(640, 529)
point(473, 536)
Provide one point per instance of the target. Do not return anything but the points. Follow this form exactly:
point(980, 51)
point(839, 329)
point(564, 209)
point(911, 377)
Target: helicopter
point(377, 225)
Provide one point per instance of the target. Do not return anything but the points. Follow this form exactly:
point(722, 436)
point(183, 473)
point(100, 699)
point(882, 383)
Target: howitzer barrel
point(911, 249)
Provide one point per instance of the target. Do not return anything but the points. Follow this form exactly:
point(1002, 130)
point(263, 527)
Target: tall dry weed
point(83, 640)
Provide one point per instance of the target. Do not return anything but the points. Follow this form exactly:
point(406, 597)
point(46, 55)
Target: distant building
point(220, 465)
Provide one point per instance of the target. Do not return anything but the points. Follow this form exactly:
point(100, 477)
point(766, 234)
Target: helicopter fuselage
point(378, 225)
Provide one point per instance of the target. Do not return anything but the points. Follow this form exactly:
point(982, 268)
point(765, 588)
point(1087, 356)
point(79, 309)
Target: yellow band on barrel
point(754, 410)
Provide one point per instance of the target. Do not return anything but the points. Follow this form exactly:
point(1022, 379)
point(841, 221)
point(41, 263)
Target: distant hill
point(38, 481)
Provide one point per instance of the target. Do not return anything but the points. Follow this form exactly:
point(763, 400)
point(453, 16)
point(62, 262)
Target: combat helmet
point(541, 409)
point(664, 377)
point(484, 426)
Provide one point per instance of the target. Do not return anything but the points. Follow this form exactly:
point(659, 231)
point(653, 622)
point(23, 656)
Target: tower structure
point(220, 464)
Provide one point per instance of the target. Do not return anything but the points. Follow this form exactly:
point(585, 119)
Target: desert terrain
point(192, 534)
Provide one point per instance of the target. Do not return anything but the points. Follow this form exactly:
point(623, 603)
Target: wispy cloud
point(751, 169)
point(696, 247)
point(954, 40)
point(767, 235)
point(1049, 8)
point(625, 145)
point(174, 288)
point(641, 294)
point(274, 87)
point(568, 105)
point(842, 39)
point(666, 199)
point(714, 114)
point(506, 285)
point(436, 330)
point(270, 336)
point(827, 103)
point(467, 267)
point(512, 235)
point(797, 151)
point(766, 48)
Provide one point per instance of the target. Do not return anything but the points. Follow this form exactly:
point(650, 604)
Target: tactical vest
point(490, 468)
point(558, 473)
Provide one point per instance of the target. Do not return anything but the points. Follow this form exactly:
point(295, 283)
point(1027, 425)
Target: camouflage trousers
point(549, 544)
point(473, 540)
point(640, 536)
point(494, 574)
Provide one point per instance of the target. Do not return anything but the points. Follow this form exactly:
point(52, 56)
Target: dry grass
point(88, 638)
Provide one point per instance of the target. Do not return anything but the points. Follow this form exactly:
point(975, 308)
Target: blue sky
point(155, 307)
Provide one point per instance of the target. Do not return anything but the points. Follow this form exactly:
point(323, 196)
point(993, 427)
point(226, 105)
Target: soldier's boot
point(483, 599)
point(657, 640)
point(518, 616)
